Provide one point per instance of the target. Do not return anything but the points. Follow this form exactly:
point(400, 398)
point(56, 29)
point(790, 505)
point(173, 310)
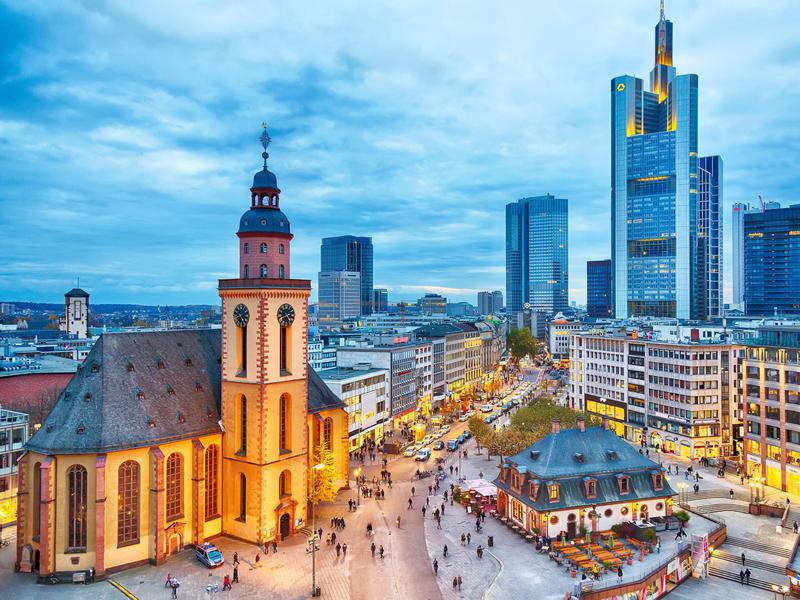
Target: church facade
point(165, 439)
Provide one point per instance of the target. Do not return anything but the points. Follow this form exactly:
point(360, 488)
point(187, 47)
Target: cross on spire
point(265, 141)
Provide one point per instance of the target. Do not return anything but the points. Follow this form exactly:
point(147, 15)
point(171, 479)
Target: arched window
point(246, 271)
point(264, 271)
point(281, 274)
point(327, 435)
point(281, 249)
point(241, 344)
point(77, 483)
point(285, 424)
point(285, 338)
point(128, 503)
point(242, 497)
point(263, 248)
point(246, 249)
point(212, 481)
point(242, 425)
point(37, 497)
point(285, 483)
point(174, 486)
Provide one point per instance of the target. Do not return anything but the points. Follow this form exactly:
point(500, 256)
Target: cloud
point(128, 131)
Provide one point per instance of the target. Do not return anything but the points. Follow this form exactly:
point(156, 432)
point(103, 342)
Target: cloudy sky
point(129, 131)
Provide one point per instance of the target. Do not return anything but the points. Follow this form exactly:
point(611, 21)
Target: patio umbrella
point(563, 538)
point(611, 540)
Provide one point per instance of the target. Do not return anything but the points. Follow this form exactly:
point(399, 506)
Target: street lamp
point(314, 531)
point(357, 473)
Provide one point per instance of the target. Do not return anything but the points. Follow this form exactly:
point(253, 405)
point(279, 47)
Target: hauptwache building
point(165, 439)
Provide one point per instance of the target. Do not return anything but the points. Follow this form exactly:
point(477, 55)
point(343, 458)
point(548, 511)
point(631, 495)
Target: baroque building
point(164, 439)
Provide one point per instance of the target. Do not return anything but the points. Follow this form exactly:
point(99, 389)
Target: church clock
point(241, 315)
point(285, 315)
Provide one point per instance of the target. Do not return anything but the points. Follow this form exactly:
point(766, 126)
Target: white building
point(13, 435)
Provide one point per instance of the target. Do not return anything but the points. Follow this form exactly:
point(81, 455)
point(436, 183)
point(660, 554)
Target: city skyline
point(131, 172)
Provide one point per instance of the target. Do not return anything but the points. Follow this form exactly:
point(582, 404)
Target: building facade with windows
point(656, 221)
point(537, 254)
point(13, 435)
point(220, 427)
point(680, 397)
point(432, 304)
point(490, 303)
point(339, 297)
point(599, 292)
point(380, 300)
point(354, 254)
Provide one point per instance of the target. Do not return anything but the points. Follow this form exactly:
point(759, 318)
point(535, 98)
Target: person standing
point(344, 549)
point(455, 582)
point(459, 582)
point(619, 574)
point(469, 538)
point(372, 549)
point(235, 558)
point(435, 567)
point(338, 550)
point(445, 551)
point(747, 576)
point(275, 545)
point(236, 573)
point(174, 585)
point(743, 558)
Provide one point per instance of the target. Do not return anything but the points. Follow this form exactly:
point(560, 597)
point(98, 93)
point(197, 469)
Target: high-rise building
point(380, 300)
point(490, 303)
point(709, 237)
point(432, 304)
point(339, 297)
point(537, 259)
point(350, 253)
point(598, 289)
point(737, 257)
point(655, 185)
point(771, 259)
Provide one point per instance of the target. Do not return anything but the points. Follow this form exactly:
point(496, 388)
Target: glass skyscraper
point(350, 253)
point(598, 289)
point(655, 170)
point(537, 260)
point(771, 261)
point(709, 237)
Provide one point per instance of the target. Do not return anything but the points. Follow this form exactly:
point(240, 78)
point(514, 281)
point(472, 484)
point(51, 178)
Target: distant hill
point(111, 308)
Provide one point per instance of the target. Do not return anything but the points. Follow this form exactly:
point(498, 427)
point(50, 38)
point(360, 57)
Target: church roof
point(144, 388)
point(76, 293)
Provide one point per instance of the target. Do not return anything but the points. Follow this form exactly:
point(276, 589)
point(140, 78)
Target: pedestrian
point(795, 527)
point(275, 544)
point(480, 474)
point(430, 490)
point(743, 558)
point(445, 551)
point(469, 538)
point(442, 508)
point(344, 549)
point(445, 495)
point(338, 550)
point(459, 582)
point(731, 494)
point(333, 538)
point(236, 573)
point(258, 559)
point(463, 539)
point(479, 551)
point(398, 522)
point(658, 546)
point(410, 504)
point(747, 576)
point(380, 551)
point(435, 566)
point(226, 582)
point(619, 574)
point(455, 582)
point(169, 580)
point(423, 512)
point(741, 577)
point(235, 558)
point(174, 585)
point(372, 549)
point(428, 501)
point(451, 472)
point(413, 491)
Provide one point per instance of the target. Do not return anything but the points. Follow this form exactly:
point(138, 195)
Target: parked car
point(463, 418)
point(411, 450)
point(467, 434)
point(439, 445)
point(461, 439)
point(208, 554)
point(452, 445)
point(487, 408)
point(428, 439)
point(423, 454)
point(445, 429)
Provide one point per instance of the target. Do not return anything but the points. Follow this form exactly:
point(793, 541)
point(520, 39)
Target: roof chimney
point(606, 424)
point(581, 424)
point(556, 425)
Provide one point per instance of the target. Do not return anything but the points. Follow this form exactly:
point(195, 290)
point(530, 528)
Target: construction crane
point(761, 201)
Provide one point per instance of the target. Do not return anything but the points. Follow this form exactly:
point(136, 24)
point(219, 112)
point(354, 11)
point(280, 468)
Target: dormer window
point(188, 362)
point(170, 390)
point(552, 490)
point(590, 488)
point(198, 387)
point(140, 395)
point(130, 368)
point(160, 364)
point(658, 481)
point(534, 489)
point(624, 483)
point(95, 367)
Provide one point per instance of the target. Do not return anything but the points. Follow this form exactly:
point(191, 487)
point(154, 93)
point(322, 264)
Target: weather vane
point(265, 140)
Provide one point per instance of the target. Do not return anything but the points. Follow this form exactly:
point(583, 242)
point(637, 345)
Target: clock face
point(241, 315)
point(285, 315)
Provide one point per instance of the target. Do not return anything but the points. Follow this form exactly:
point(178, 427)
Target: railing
point(611, 582)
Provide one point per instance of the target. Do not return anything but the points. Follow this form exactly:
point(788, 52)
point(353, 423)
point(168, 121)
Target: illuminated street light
point(357, 473)
point(314, 593)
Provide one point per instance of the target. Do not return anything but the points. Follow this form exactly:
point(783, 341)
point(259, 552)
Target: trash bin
point(317, 592)
point(490, 541)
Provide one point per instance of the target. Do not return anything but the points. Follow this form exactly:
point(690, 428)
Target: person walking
point(423, 512)
point(435, 567)
point(226, 582)
point(372, 549)
point(469, 538)
point(445, 551)
point(743, 558)
point(338, 550)
point(413, 491)
point(463, 539)
point(747, 576)
point(410, 504)
point(235, 558)
point(380, 550)
point(275, 544)
point(455, 583)
point(333, 538)
point(741, 577)
point(398, 522)
point(619, 574)
point(344, 549)
point(168, 582)
point(236, 573)
point(731, 494)
point(795, 527)
point(174, 586)
point(459, 582)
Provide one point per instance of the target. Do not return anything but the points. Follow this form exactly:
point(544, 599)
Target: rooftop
point(43, 363)
point(341, 373)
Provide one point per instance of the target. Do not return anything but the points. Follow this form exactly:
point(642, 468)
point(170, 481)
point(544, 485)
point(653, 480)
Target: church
point(165, 439)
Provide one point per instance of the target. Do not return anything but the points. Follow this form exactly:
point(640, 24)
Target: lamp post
point(357, 473)
point(316, 467)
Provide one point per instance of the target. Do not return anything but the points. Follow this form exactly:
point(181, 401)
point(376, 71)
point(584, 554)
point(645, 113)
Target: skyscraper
point(537, 267)
point(771, 259)
point(380, 300)
point(737, 259)
point(350, 253)
point(709, 237)
point(490, 303)
point(432, 304)
point(654, 192)
point(598, 288)
point(339, 296)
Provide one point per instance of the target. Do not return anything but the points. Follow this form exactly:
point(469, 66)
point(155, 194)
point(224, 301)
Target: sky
point(129, 131)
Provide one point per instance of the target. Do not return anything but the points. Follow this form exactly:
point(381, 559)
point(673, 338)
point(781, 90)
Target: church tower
point(76, 321)
point(264, 375)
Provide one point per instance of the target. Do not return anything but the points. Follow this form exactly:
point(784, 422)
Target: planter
point(629, 560)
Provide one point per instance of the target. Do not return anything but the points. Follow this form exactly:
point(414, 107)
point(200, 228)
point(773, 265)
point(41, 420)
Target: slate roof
point(132, 380)
point(76, 293)
point(437, 330)
point(571, 457)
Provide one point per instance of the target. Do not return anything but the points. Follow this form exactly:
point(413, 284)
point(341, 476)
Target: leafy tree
point(536, 418)
point(508, 442)
point(521, 343)
point(324, 486)
point(480, 431)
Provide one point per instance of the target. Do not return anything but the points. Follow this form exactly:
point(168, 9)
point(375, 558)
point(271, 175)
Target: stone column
point(157, 506)
point(23, 536)
point(198, 492)
point(100, 515)
point(47, 517)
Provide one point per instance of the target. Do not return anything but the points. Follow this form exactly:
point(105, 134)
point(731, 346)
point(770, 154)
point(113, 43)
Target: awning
point(481, 487)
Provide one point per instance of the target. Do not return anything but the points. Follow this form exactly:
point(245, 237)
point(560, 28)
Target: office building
point(339, 297)
point(599, 294)
point(655, 185)
point(380, 300)
point(709, 237)
point(680, 397)
point(737, 256)
point(771, 260)
point(537, 261)
point(432, 304)
point(13, 435)
point(350, 253)
point(490, 303)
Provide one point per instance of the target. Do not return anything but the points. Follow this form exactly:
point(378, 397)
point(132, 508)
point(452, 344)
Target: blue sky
point(129, 132)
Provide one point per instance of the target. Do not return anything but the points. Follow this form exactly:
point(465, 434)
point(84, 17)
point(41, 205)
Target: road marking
point(497, 575)
point(122, 589)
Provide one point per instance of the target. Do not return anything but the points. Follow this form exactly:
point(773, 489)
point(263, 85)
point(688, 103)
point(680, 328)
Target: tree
point(508, 442)
point(324, 486)
point(480, 430)
point(521, 343)
point(536, 418)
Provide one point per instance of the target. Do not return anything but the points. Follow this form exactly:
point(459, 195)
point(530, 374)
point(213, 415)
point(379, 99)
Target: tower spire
point(265, 140)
